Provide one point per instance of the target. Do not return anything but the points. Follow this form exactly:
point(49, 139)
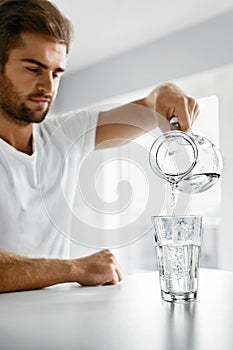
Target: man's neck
point(18, 135)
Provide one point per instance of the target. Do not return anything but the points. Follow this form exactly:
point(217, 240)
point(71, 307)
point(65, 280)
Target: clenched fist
point(96, 269)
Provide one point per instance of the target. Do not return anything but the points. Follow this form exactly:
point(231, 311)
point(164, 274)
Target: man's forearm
point(127, 122)
point(122, 124)
point(20, 273)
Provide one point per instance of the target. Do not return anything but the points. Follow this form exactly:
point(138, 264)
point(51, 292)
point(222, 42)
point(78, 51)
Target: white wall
point(199, 48)
point(199, 59)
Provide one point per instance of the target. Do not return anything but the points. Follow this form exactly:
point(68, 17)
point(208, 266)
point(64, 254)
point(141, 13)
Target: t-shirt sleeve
point(80, 128)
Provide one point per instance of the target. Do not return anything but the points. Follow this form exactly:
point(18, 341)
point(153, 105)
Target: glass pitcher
point(191, 163)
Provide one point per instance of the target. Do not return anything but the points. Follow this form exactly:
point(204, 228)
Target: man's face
point(31, 77)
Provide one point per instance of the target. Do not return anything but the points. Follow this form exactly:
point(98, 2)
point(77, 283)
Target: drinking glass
point(178, 245)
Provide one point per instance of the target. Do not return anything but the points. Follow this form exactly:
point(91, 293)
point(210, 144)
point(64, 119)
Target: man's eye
point(33, 69)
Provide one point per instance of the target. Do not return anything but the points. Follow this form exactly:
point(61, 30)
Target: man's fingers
point(115, 275)
point(193, 109)
point(196, 111)
point(187, 113)
point(119, 274)
point(184, 118)
point(115, 278)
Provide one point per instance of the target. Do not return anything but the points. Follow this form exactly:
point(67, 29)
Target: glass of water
point(178, 245)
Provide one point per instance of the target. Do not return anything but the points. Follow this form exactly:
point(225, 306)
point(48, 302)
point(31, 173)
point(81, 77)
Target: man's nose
point(46, 83)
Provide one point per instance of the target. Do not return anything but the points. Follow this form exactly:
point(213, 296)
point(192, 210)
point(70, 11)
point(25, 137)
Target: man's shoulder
point(71, 116)
point(70, 124)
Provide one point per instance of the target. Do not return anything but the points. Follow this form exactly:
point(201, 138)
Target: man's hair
point(34, 16)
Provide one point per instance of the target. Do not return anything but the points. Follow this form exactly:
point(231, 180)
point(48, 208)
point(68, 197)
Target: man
point(34, 44)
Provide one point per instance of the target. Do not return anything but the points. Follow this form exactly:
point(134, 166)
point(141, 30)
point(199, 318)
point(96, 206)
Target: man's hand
point(96, 269)
point(169, 100)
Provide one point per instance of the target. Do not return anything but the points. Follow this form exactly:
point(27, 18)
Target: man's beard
point(11, 102)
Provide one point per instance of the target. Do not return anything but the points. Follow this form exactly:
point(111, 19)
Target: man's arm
point(21, 273)
point(129, 121)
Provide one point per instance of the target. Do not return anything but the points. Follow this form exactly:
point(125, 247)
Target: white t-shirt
point(37, 192)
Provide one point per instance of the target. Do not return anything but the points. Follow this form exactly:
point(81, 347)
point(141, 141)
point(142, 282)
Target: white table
point(127, 316)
